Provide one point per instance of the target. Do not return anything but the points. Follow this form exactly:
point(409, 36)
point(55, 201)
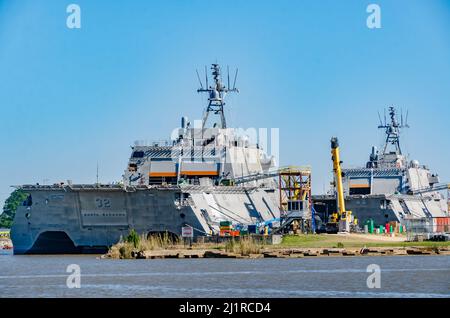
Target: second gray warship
point(389, 187)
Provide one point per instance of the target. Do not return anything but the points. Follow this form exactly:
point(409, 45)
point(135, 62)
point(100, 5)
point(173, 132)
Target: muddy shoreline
point(284, 252)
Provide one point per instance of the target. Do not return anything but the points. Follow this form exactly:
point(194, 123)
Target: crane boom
point(338, 175)
point(343, 217)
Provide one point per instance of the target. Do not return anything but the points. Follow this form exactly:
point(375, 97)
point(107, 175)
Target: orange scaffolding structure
point(294, 188)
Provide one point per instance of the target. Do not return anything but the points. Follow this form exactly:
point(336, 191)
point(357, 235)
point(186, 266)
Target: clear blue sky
point(72, 98)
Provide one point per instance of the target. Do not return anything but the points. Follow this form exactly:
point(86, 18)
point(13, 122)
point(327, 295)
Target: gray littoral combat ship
point(388, 188)
point(185, 182)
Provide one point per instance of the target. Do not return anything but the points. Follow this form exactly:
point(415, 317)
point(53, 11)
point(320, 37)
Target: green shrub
point(15, 199)
point(133, 238)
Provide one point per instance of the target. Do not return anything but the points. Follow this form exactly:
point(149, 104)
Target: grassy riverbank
point(292, 246)
point(351, 240)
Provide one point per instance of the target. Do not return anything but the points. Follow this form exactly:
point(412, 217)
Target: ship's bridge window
point(357, 189)
point(138, 154)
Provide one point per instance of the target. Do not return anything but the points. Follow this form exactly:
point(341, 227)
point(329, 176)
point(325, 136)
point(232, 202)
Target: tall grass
point(134, 243)
point(157, 242)
point(245, 246)
point(139, 243)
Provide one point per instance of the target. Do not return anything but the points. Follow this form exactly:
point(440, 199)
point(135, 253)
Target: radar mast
point(216, 93)
point(392, 130)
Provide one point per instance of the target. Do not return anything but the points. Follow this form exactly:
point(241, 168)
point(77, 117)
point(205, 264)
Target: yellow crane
point(342, 218)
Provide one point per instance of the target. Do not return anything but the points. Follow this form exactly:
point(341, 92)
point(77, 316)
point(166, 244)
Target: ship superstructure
point(199, 154)
point(187, 181)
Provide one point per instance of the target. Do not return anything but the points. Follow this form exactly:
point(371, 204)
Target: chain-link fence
point(427, 229)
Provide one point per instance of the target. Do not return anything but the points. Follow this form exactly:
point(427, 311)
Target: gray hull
point(90, 219)
point(383, 208)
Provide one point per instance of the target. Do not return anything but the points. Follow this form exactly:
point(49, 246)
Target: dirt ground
point(372, 237)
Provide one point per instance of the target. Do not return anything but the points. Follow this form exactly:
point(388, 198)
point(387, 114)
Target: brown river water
point(400, 276)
